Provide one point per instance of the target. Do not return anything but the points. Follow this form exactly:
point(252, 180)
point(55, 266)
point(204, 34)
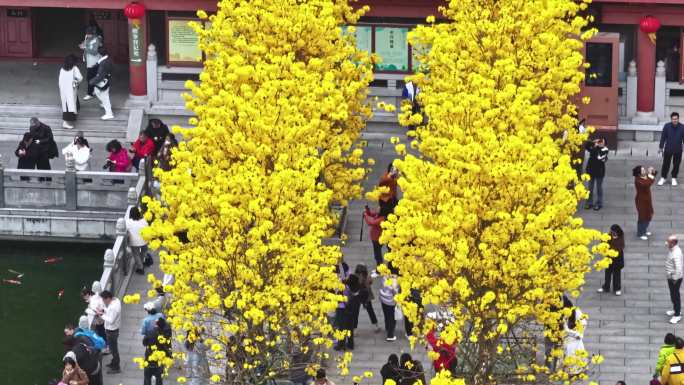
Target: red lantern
point(650, 25)
point(134, 10)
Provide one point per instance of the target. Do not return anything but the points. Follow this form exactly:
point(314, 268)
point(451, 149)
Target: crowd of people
point(38, 147)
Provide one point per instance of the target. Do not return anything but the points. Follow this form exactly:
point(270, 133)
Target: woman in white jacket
point(69, 78)
point(79, 150)
point(574, 327)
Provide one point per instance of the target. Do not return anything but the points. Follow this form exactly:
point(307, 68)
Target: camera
point(108, 164)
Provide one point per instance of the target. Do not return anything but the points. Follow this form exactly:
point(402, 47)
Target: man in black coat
point(43, 147)
point(357, 296)
point(596, 168)
point(102, 82)
point(671, 140)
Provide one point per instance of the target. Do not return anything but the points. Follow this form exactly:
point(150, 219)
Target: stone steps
point(14, 122)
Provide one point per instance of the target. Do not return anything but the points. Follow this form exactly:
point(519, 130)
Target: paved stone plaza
point(626, 330)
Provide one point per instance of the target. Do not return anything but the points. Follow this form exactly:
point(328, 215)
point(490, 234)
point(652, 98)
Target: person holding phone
point(596, 168)
point(643, 180)
point(613, 272)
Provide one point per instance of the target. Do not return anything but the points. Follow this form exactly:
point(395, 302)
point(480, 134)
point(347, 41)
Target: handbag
point(398, 314)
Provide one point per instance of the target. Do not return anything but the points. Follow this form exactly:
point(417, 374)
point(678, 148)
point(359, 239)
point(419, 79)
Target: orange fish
point(12, 281)
point(60, 294)
point(53, 260)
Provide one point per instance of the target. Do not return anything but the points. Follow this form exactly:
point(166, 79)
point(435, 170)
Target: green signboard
point(183, 42)
point(391, 45)
point(136, 43)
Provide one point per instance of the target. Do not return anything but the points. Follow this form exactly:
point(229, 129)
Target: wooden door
point(601, 85)
point(16, 34)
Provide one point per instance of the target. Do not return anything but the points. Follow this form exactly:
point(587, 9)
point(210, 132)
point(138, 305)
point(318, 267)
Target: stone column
point(646, 52)
point(137, 56)
point(660, 90)
point(152, 68)
point(631, 92)
point(70, 183)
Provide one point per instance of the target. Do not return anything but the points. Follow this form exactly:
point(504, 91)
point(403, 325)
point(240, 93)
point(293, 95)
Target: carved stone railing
point(118, 264)
point(65, 189)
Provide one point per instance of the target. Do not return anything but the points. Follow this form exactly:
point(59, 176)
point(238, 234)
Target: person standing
point(389, 289)
point(135, 223)
point(157, 339)
point(357, 296)
point(389, 180)
point(596, 168)
point(197, 365)
point(673, 362)
point(95, 305)
point(69, 79)
point(24, 159)
point(446, 351)
point(674, 272)
point(43, 147)
point(643, 179)
point(90, 46)
point(390, 371)
point(665, 350)
point(617, 243)
point(574, 327)
point(670, 147)
point(111, 314)
point(102, 82)
point(366, 281)
point(374, 220)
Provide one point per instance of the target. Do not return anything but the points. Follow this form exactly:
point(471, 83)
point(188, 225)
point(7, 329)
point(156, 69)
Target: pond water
point(33, 314)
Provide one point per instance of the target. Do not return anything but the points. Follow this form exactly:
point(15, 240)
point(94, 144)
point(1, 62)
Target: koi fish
point(60, 294)
point(11, 281)
point(53, 260)
point(18, 274)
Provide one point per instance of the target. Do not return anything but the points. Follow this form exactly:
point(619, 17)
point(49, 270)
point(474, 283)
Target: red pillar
point(137, 49)
point(646, 52)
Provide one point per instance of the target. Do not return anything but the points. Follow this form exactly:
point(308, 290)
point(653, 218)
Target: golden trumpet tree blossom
point(486, 229)
point(243, 211)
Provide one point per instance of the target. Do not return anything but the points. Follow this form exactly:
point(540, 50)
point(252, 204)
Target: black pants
point(90, 73)
point(676, 160)
point(390, 322)
point(371, 312)
point(148, 372)
point(377, 253)
point(113, 343)
point(674, 295)
point(614, 274)
point(100, 331)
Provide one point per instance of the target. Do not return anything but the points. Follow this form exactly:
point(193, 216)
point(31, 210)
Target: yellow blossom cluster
point(243, 211)
point(486, 227)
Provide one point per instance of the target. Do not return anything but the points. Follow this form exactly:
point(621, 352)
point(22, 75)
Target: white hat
point(148, 306)
point(83, 322)
point(70, 354)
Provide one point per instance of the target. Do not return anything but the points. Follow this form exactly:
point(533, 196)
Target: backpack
point(98, 342)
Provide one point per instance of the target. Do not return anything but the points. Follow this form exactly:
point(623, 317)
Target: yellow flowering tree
point(486, 230)
point(243, 212)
